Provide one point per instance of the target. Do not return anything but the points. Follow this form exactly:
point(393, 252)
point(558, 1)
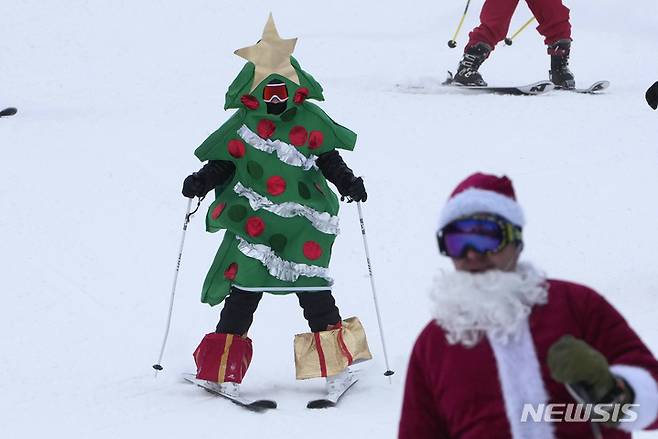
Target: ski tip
point(252, 407)
point(320, 404)
point(600, 85)
point(264, 404)
point(10, 111)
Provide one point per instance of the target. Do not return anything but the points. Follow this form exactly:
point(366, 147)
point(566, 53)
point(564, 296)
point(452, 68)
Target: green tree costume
point(279, 214)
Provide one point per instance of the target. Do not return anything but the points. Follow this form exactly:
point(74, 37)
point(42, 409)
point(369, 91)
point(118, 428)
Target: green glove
point(572, 361)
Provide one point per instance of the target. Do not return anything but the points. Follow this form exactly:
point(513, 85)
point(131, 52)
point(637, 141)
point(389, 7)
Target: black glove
point(356, 191)
point(336, 171)
point(193, 186)
point(214, 173)
point(652, 96)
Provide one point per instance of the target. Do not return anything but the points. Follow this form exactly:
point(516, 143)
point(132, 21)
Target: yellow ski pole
point(453, 42)
point(508, 40)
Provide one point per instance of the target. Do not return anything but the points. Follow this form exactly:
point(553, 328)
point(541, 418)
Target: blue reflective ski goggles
point(481, 233)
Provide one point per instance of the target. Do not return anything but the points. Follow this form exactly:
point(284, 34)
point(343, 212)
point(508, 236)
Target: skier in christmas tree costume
point(495, 18)
point(269, 165)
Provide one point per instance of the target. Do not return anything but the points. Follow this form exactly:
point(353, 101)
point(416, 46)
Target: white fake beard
point(468, 305)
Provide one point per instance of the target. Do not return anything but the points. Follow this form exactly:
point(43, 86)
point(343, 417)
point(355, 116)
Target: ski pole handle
point(453, 42)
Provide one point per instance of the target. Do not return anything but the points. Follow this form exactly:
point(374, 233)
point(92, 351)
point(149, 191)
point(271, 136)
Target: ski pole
point(453, 42)
point(581, 394)
point(508, 40)
point(388, 372)
point(157, 366)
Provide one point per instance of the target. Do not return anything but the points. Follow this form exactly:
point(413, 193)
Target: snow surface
point(113, 98)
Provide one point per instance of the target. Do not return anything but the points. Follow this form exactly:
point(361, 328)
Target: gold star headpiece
point(270, 55)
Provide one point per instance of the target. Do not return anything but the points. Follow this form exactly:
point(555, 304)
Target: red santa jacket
point(455, 392)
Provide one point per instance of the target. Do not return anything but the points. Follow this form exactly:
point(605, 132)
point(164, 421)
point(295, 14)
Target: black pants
point(238, 313)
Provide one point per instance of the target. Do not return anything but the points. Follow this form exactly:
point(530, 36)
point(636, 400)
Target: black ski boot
point(467, 71)
point(560, 75)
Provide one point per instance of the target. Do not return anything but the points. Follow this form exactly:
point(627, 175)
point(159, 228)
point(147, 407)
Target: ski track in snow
point(114, 97)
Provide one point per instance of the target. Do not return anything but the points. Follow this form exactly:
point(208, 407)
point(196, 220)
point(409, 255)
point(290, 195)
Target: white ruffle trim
point(285, 152)
point(322, 221)
point(281, 269)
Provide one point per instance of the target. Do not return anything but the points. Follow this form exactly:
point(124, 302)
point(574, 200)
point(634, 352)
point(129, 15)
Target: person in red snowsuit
point(495, 18)
point(503, 336)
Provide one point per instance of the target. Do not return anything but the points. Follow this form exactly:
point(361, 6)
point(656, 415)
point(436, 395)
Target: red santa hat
point(483, 193)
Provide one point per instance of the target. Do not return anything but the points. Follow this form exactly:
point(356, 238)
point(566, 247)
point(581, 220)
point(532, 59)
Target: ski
point(592, 89)
point(332, 398)
point(10, 111)
point(258, 405)
point(535, 88)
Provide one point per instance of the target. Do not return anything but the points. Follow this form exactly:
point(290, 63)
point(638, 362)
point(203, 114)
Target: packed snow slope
point(113, 98)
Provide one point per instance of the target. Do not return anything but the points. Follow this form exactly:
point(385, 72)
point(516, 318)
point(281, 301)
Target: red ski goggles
point(275, 93)
point(481, 233)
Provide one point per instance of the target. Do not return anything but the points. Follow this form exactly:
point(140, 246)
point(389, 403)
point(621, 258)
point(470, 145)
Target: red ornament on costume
point(312, 250)
point(254, 226)
point(231, 271)
point(315, 139)
point(266, 128)
point(250, 102)
point(276, 185)
point(236, 148)
point(217, 211)
point(298, 135)
point(300, 95)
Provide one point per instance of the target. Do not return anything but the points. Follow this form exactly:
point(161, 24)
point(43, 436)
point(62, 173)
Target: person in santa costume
point(268, 166)
point(495, 18)
point(503, 335)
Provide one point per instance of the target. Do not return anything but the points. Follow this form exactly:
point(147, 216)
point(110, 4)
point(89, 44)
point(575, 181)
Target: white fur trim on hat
point(475, 200)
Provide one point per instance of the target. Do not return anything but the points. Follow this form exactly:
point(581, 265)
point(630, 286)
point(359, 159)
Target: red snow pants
point(496, 15)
